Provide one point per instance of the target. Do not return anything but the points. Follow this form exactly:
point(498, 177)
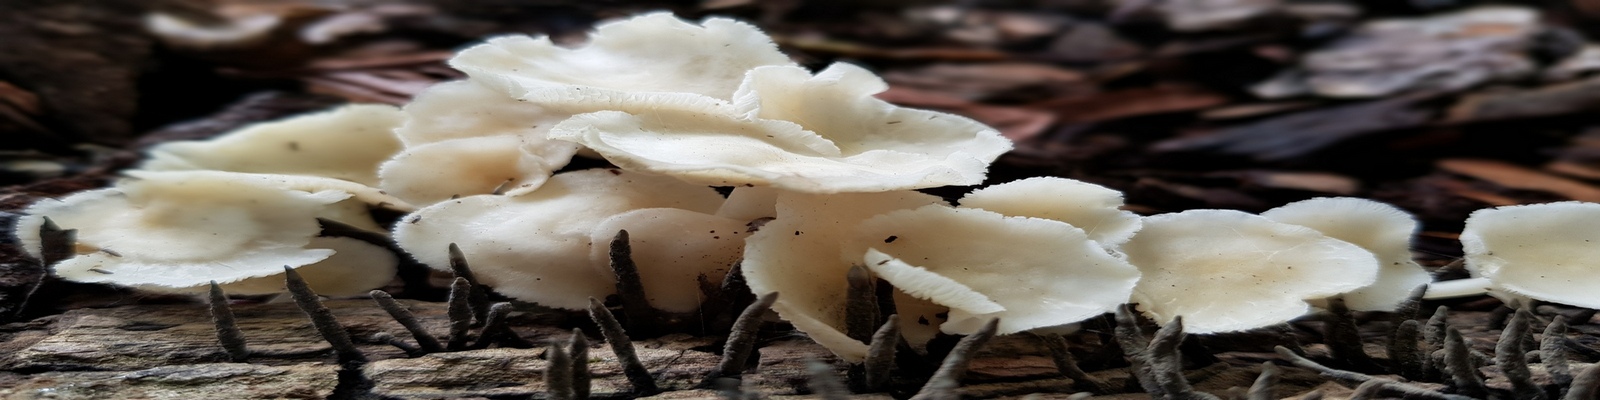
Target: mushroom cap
point(1543, 251)
point(1029, 272)
point(822, 133)
point(625, 56)
point(799, 255)
point(439, 171)
point(536, 246)
point(304, 183)
point(750, 203)
point(673, 249)
point(355, 268)
point(1382, 229)
point(1095, 209)
point(1224, 270)
point(345, 143)
point(177, 230)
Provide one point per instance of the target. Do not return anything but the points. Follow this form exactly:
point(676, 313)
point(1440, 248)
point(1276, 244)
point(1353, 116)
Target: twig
point(558, 375)
point(622, 347)
point(823, 383)
point(228, 334)
point(1458, 362)
point(945, 381)
point(322, 319)
point(1511, 356)
point(401, 314)
point(477, 296)
point(742, 341)
point(1057, 346)
point(582, 380)
point(460, 313)
point(880, 355)
point(1553, 353)
point(1262, 388)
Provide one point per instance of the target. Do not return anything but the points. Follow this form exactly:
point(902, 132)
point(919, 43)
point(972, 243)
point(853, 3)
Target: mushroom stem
point(742, 340)
point(582, 380)
point(1586, 385)
point(1408, 357)
point(1133, 342)
point(322, 319)
point(1409, 390)
point(1166, 362)
point(497, 330)
point(880, 355)
point(643, 319)
point(861, 304)
point(477, 297)
point(1553, 353)
point(228, 334)
point(1262, 388)
point(56, 244)
point(558, 374)
point(1458, 363)
point(945, 381)
point(622, 347)
point(1344, 341)
point(823, 383)
point(1057, 346)
point(425, 341)
point(1457, 288)
point(460, 313)
point(1306, 363)
point(1510, 355)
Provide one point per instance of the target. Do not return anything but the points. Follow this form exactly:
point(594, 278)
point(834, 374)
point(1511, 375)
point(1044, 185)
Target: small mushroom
point(1093, 208)
point(1380, 228)
point(345, 143)
point(1224, 270)
point(536, 246)
point(1543, 251)
point(788, 128)
point(178, 231)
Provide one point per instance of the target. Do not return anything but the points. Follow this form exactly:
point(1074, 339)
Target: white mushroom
point(822, 133)
point(1225, 270)
point(1543, 251)
point(1093, 208)
point(1380, 228)
point(177, 231)
point(799, 255)
point(345, 143)
point(1029, 272)
point(537, 246)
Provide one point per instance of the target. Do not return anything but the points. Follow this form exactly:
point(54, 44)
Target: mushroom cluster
point(821, 181)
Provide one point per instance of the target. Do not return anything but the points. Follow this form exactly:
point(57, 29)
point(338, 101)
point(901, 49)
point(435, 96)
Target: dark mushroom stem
point(880, 355)
point(1553, 353)
point(945, 380)
point(1068, 366)
point(498, 330)
point(477, 296)
point(322, 319)
point(1458, 363)
point(228, 334)
point(1510, 355)
point(425, 341)
point(55, 244)
point(460, 313)
point(582, 380)
point(558, 375)
point(1406, 351)
point(643, 318)
point(742, 340)
point(861, 304)
point(643, 383)
point(1343, 339)
point(1262, 388)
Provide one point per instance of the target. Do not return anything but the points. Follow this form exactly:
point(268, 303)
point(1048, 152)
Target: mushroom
point(537, 246)
point(822, 133)
point(345, 143)
point(178, 231)
point(799, 255)
point(1542, 251)
point(1380, 228)
point(1224, 270)
point(1093, 208)
point(1028, 272)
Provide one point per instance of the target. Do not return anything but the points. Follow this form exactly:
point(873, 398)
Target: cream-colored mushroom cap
point(1095, 209)
point(799, 255)
point(673, 249)
point(654, 53)
point(439, 171)
point(1225, 270)
point(1382, 229)
point(536, 246)
point(345, 143)
point(1029, 272)
point(822, 133)
point(176, 231)
point(1543, 251)
point(304, 183)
